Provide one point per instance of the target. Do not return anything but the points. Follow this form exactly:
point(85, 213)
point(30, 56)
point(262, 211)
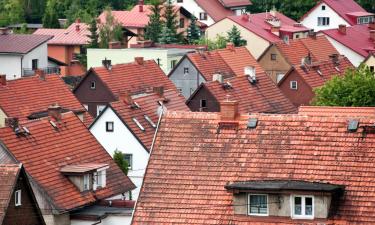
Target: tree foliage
point(193, 31)
point(118, 157)
point(94, 43)
point(109, 31)
point(155, 25)
point(234, 36)
point(50, 19)
point(218, 43)
point(356, 88)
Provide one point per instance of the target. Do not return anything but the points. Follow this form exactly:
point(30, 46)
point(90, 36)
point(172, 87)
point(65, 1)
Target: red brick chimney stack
point(78, 21)
point(139, 60)
point(125, 97)
point(228, 110)
point(141, 5)
point(40, 74)
point(230, 46)
point(245, 17)
point(3, 79)
point(159, 91)
point(342, 28)
point(54, 111)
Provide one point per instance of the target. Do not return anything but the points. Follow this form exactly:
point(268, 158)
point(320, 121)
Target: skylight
point(150, 121)
point(319, 72)
point(337, 69)
point(138, 124)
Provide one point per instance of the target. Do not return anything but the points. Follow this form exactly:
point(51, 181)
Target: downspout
point(151, 148)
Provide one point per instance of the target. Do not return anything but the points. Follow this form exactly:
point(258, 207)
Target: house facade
point(259, 30)
point(22, 60)
point(329, 14)
point(370, 62)
point(18, 205)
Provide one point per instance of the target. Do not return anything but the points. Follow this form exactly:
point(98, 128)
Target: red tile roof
point(192, 162)
point(47, 149)
point(337, 111)
point(21, 43)
point(319, 48)
point(68, 36)
point(148, 106)
point(226, 61)
point(344, 8)
point(310, 74)
point(8, 176)
point(24, 96)
point(258, 25)
point(214, 9)
point(357, 38)
point(133, 77)
point(234, 3)
point(264, 97)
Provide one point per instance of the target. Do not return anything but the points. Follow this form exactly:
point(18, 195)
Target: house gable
point(202, 100)
point(274, 63)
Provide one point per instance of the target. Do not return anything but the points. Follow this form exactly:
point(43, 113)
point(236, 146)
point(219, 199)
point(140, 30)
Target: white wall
point(311, 21)
point(40, 53)
point(355, 58)
point(109, 220)
point(195, 9)
point(10, 65)
point(123, 140)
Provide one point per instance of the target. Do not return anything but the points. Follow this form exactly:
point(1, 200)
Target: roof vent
point(138, 124)
point(251, 73)
point(148, 119)
point(135, 106)
point(252, 123)
point(107, 63)
point(353, 125)
point(227, 85)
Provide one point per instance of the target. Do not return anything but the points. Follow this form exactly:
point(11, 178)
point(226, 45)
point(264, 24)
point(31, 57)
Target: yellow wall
point(2, 118)
point(255, 44)
point(274, 67)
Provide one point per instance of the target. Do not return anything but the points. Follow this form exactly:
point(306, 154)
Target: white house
point(21, 54)
point(329, 14)
point(129, 126)
point(210, 11)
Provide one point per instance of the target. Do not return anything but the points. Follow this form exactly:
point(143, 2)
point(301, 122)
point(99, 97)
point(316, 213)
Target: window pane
point(258, 204)
point(308, 206)
point(297, 206)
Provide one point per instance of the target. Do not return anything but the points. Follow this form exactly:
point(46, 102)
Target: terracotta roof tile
point(47, 149)
point(68, 36)
point(233, 3)
point(357, 38)
point(191, 163)
point(134, 77)
point(21, 43)
point(337, 111)
point(22, 97)
point(264, 97)
point(148, 106)
point(319, 48)
point(8, 177)
point(215, 9)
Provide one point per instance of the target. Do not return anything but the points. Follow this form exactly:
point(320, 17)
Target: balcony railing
point(47, 70)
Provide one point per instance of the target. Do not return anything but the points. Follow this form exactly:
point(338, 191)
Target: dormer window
point(86, 182)
point(258, 204)
point(99, 179)
point(303, 207)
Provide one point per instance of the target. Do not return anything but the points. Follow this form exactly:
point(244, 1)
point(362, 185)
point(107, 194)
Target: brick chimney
point(4, 31)
point(3, 79)
point(114, 45)
point(139, 60)
point(245, 17)
point(78, 20)
point(371, 26)
point(140, 5)
point(342, 29)
point(159, 91)
point(54, 111)
point(230, 46)
point(40, 74)
point(228, 110)
point(372, 35)
point(126, 97)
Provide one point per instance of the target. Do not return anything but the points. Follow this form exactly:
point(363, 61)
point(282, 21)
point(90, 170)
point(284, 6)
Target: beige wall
point(280, 205)
point(274, 67)
point(255, 44)
point(2, 118)
point(370, 61)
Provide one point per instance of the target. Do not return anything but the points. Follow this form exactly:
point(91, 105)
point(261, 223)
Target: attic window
point(202, 16)
point(148, 119)
point(138, 124)
point(303, 207)
point(93, 85)
point(273, 56)
point(293, 85)
point(258, 204)
point(86, 182)
point(109, 126)
point(17, 198)
point(323, 7)
point(99, 179)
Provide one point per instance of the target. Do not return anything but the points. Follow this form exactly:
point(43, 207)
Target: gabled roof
point(262, 97)
point(235, 3)
point(46, 149)
point(192, 161)
point(133, 77)
point(215, 9)
point(68, 36)
point(346, 9)
point(148, 106)
point(229, 62)
point(357, 38)
point(319, 49)
point(8, 176)
point(257, 24)
point(21, 43)
point(25, 96)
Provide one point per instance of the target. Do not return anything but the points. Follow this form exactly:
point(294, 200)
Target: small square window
point(109, 126)
point(186, 70)
point(323, 7)
point(182, 23)
point(203, 103)
point(129, 160)
point(293, 85)
point(273, 57)
point(372, 68)
point(303, 207)
point(34, 64)
point(258, 205)
point(92, 85)
point(17, 198)
point(203, 16)
point(297, 36)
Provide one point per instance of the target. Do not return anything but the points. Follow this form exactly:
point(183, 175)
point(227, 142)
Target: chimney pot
point(342, 28)
point(228, 110)
point(159, 91)
point(230, 46)
point(372, 35)
point(78, 20)
point(139, 60)
point(54, 111)
point(245, 17)
point(3, 79)
point(40, 74)
point(78, 28)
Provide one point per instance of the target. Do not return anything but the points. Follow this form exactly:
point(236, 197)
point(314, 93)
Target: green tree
point(218, 43)
point(155, 25)
point(171, 23)
point(355, 88)
point(167, 36)
point(193, 31)
point(110, 30)
point(13, 12)
point(234, 36)
point(118, 157)
point(94, 40)
point(50, 19)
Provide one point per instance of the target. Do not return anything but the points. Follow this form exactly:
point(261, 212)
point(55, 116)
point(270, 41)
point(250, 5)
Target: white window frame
point(130, 164)
point(86, 182)
point(249, 206)
point(323, 21)
point(109, 126)
point(291, 85)
point(93, 85)
point(17, 198)
point(303, 206)
point(99, 179)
